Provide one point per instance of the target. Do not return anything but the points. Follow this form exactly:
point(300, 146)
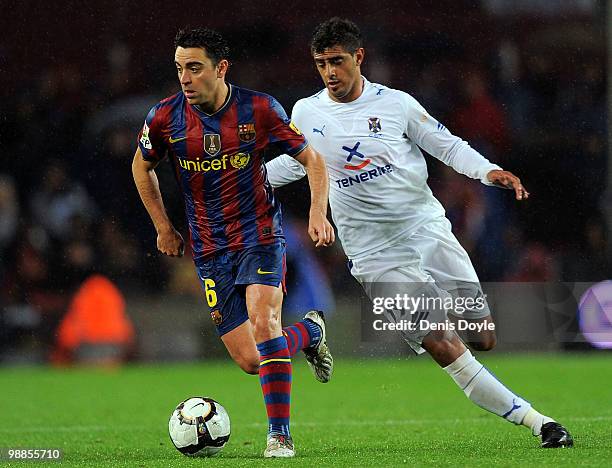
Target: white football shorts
point(429, 262)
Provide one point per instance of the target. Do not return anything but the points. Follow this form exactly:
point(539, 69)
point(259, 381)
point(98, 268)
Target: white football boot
point(279, 446)
point(319, 357)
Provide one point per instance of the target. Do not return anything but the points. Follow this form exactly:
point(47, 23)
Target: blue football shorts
point(224, 278)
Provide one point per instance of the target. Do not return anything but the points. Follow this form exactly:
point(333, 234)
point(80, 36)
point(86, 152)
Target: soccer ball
point(199, 426)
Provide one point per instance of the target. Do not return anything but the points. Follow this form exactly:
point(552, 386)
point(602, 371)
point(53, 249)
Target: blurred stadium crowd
point(527, 91)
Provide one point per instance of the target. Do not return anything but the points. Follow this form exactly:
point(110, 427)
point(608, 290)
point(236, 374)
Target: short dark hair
point(336, 31)
point(211, 41)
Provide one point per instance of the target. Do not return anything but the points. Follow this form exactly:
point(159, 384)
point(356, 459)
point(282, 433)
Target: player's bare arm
point(169, 240)
point(508, 180)
point(319, 228)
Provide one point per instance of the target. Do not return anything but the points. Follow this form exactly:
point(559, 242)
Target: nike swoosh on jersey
point(261, 272)
point(174, 140)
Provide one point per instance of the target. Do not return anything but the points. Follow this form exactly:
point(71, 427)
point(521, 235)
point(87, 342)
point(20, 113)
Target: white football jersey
point(378, 176)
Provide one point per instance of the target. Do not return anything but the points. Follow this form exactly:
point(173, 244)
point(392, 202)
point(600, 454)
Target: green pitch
point(373, 412)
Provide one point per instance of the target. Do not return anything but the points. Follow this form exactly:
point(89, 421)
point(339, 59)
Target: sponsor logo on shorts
point(261, 272)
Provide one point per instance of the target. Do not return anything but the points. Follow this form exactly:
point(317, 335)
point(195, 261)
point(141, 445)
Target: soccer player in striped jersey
point(391, 226)
point(216, 135)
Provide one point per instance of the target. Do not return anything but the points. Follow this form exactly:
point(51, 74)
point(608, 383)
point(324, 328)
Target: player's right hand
point(320, 229)
point(171, 243)
point(507, 180)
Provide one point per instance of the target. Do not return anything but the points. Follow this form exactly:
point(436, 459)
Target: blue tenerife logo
point(353, 152)
point(362, 176)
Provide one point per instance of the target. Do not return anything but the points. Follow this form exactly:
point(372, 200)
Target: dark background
point(524, 82)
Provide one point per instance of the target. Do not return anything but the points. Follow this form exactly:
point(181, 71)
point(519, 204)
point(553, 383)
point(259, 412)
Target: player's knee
point(266, 325)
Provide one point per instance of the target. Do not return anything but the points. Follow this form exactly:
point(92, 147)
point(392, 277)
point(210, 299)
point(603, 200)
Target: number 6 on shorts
point(211, 295)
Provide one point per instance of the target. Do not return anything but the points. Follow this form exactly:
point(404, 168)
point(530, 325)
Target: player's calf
point(248, 364)
point(479, 334)
point(275, 370)
point(240, 345)
point(444, 346)
point(486, 391)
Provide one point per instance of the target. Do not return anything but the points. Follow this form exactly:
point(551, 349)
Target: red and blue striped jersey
point(219, 164)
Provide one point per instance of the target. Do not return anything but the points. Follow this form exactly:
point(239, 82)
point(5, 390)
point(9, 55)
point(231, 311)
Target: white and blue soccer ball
point(199, 426)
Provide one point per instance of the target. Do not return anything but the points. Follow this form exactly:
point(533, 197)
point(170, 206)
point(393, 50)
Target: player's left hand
point(320, 229)
point(508, 180)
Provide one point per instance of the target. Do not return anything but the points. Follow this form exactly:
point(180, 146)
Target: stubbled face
point(341, 72)
point(200, 79)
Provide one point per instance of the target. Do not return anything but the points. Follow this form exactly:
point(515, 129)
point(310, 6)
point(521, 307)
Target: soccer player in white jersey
point(392, 228)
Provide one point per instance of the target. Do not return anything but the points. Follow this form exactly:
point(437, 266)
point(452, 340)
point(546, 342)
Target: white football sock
point(534, 421)
point(486, 391)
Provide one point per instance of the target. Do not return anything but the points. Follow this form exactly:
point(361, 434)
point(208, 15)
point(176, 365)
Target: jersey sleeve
point(150, 140)
point(284, 134)
point(438, 141)
point(283, 170)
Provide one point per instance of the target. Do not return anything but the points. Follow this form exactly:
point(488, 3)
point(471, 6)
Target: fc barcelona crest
point(216, 317)
point(212, 143)
point(374, 123)
point(246, 132)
